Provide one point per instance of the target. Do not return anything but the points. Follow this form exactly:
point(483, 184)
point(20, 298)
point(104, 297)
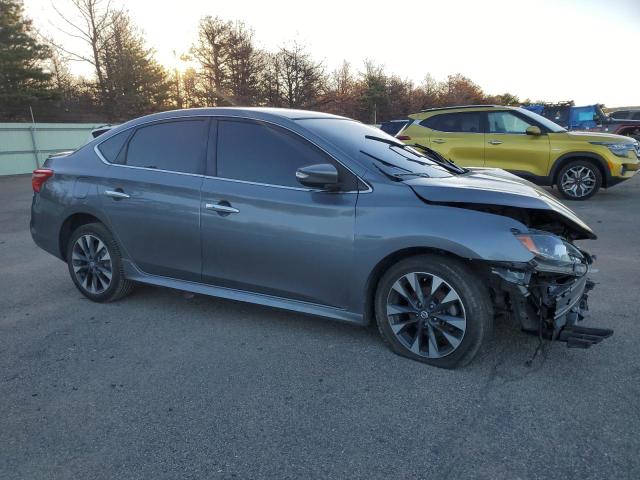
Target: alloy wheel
point(426, 314)
point(92, 264)
point(578, 181)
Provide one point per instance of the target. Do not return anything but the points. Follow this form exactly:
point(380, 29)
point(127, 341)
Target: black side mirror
point(321, 175)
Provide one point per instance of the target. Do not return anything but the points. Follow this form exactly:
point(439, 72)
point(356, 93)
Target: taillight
point(39, 176)
point(404, 138)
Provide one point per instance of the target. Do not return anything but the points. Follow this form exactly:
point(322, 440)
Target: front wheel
point(95, 265)
point(433, 309)
point(579, 180)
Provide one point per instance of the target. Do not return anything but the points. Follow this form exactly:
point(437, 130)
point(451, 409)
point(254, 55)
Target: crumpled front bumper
point(551, 305)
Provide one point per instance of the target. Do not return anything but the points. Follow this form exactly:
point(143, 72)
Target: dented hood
point(489, 186)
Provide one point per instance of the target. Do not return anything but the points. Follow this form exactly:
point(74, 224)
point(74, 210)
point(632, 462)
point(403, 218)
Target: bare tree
point(92, 25)
point(244, 64)
point(341, 92)
point(295, 80)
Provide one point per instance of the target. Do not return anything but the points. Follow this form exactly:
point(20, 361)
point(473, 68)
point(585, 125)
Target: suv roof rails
point(464, 106)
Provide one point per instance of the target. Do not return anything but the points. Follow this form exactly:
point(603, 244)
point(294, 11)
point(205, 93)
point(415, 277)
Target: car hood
point(495, 187)
point(599, 137)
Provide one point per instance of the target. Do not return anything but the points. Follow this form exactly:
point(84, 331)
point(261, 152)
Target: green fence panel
point(25, 146)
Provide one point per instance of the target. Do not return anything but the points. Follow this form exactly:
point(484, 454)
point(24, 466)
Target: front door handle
point(495, 142)
point(438, 140)
point(222, 207)
point(117, 194)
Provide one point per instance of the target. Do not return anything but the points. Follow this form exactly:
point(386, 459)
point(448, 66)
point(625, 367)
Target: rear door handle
point(116, 194)
point(222, 207)
point(495, 142)
point(438, 140)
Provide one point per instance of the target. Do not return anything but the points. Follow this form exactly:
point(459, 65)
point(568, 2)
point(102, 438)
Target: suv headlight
point(619, 149)
point(553, 253)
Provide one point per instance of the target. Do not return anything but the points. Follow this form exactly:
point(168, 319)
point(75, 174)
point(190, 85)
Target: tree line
point(226, 68)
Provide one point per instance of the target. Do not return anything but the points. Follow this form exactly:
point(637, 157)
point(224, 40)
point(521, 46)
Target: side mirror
point(321, 175)
point(533, 130)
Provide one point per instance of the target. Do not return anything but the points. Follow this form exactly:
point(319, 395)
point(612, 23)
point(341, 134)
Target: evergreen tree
point(22, 79)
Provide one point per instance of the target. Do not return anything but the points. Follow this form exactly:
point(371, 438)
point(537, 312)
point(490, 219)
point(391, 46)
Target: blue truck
point(588, 117)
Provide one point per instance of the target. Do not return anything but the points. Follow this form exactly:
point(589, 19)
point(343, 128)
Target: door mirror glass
point(533, 130)
point(321, 175)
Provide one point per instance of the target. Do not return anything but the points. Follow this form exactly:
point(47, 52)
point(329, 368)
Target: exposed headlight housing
point(553, 254)
point(618, 148)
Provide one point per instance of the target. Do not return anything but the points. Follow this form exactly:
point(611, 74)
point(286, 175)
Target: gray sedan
point(318, 214)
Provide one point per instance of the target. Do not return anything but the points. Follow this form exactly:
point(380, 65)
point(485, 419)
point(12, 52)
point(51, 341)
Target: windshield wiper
point(393, 175)
point(440, 158)
point(437, 158)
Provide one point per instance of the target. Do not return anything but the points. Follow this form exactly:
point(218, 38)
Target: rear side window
point(262, 153)
point(175, 146)
point(467, 122)
point(112, 148)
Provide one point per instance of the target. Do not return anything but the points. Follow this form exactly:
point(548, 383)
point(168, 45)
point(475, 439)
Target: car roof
point(461, 107)
point(265, 113)
point(474, 108)
point(282, 116)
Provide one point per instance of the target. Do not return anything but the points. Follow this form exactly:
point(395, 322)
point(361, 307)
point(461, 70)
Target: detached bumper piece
point(583, 337)
point(551, 306)
point(571, 308)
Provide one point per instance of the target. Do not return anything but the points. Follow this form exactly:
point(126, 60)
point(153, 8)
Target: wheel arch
point(594, 158)
point(70, 225)
point(385, 263)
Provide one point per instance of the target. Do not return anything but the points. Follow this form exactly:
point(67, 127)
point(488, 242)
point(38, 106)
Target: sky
point(581, 50)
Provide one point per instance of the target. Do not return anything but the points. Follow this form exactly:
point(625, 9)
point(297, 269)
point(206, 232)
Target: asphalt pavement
point(167, 385)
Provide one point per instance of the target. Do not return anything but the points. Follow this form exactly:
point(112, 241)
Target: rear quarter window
point(112, 149)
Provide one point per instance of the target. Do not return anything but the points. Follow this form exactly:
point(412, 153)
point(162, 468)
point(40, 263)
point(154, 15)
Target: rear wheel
point(95, 264)
point(579, 180)
point(433, 309)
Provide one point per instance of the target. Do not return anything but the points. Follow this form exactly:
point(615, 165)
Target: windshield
point(554, 127)
point(374, 148)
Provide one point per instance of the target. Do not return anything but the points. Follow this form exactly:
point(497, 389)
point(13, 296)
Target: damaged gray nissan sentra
point(318, 214)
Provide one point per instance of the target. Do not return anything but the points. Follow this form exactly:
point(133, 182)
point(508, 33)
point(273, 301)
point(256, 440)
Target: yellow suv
point(527, 144)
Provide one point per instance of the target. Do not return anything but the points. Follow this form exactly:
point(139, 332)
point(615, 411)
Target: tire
point(451, 323)
point(92, 256)
point(579, 180)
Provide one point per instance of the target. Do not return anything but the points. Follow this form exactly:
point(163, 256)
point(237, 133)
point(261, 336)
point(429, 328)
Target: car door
point(264, 232)
point(458, 136)
point(509, 147)
point(152, 196)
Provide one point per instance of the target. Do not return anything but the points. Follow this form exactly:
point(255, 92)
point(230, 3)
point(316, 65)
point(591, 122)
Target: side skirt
point(133, 273)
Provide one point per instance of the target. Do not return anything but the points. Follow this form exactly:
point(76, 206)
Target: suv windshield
point(554, 127)
point(376, 149)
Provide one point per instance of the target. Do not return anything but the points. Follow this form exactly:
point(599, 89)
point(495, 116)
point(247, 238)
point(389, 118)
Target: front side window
point(177, 146)
point(262, 153)
point(506, 122)
point(466, 122)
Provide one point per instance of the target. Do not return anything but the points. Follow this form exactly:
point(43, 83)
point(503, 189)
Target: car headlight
point(553, 253)
point(617, 148)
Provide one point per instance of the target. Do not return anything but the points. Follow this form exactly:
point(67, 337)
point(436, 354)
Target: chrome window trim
point(186, 117)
